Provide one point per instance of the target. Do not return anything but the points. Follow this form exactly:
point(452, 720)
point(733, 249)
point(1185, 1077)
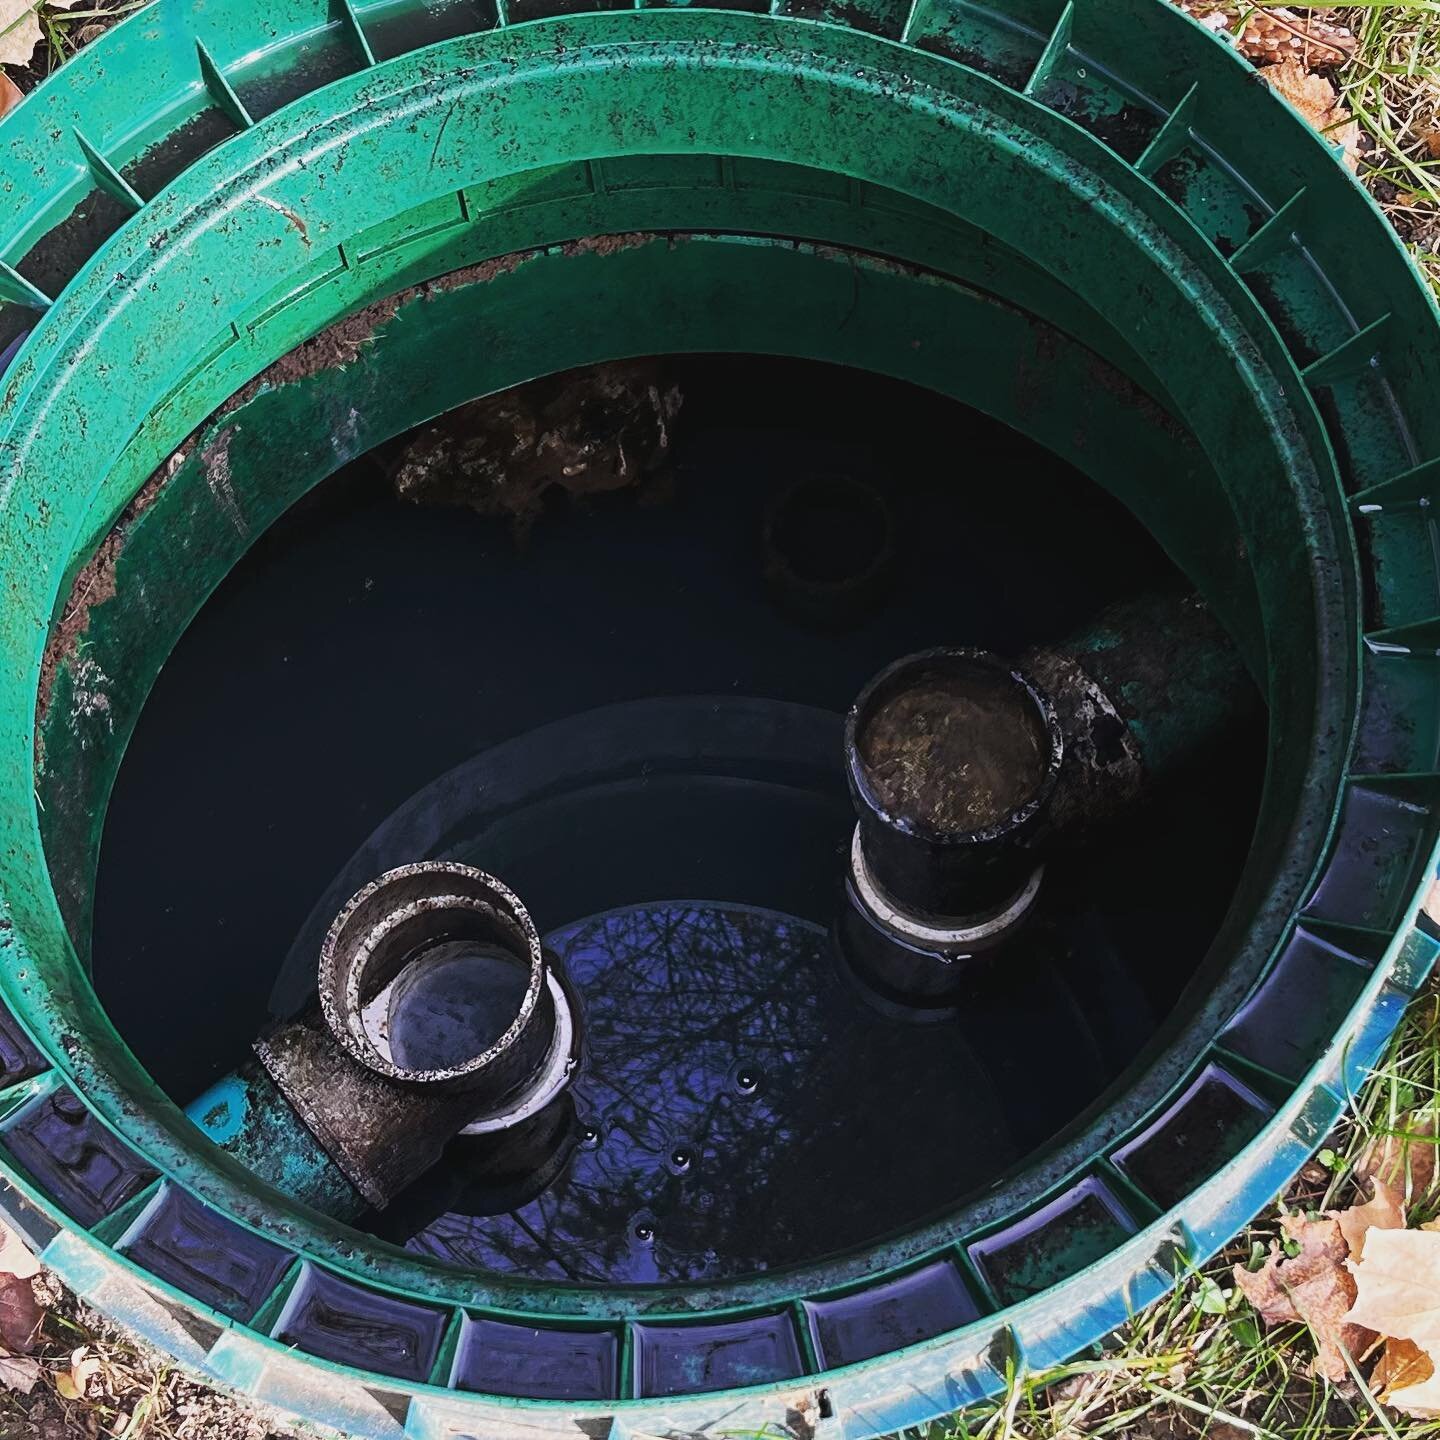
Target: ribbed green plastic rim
point(1198, 272)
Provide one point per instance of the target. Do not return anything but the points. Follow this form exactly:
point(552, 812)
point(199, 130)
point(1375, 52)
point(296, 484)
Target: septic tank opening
point(613, 697)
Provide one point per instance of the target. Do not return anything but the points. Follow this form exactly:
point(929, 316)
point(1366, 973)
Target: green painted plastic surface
point(1096, 227)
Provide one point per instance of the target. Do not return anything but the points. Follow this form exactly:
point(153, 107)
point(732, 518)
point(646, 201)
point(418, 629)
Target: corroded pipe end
point(433, 975)
point(439, 1015)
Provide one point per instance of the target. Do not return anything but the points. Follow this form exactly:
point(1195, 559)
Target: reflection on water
point(741, 1107)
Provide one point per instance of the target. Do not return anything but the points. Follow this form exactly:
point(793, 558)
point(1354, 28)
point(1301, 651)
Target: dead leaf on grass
point(1397, 1293)
point(1313, 1288)
point(1402, 1363)
point(1420, 1401)
point(1409, 1155)
point(1383, 1211)
point(1398, 1285)
point(1319, 102)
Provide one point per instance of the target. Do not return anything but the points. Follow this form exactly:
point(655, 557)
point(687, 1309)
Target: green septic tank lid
point(1088, 220)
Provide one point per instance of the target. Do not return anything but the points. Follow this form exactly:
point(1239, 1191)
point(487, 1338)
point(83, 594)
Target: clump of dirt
point(583, 433)
point(332, 348)
point(954, 752)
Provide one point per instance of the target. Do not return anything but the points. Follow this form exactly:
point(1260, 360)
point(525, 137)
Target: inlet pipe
point(439, 1015)
point(967, 772)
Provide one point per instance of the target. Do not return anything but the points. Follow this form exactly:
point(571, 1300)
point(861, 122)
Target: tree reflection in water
point(750, 1110)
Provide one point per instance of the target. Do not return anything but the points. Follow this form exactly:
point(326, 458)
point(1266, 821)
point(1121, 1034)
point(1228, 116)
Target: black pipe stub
point(952, 757)
point(829, 549)
point(433, 976)
point(440, 1016)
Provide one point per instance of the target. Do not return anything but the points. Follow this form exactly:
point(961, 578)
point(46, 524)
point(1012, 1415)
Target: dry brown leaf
point(1398, 1293)
point(18, 1373)
point(1402, 1363)
point(19, 31)
point(10, 94)
point(1414, 1387)
point(1410, 1154)
point(1312, 1287)
point(1398, 1285)
point(20, 1316)
point(1383, 1211)
point(1421, 1400)
point(1317, 100)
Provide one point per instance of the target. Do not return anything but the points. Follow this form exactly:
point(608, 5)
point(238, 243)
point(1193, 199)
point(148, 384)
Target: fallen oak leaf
point(1383, 1211)
point(1312, 1287)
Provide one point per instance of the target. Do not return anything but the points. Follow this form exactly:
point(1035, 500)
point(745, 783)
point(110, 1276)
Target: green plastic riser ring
point(1100, 198)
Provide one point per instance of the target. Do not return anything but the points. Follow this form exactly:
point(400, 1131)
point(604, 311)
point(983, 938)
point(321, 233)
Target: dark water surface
point(624, 721)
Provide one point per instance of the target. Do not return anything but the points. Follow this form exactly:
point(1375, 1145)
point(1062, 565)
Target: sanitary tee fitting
point(438, 1016)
